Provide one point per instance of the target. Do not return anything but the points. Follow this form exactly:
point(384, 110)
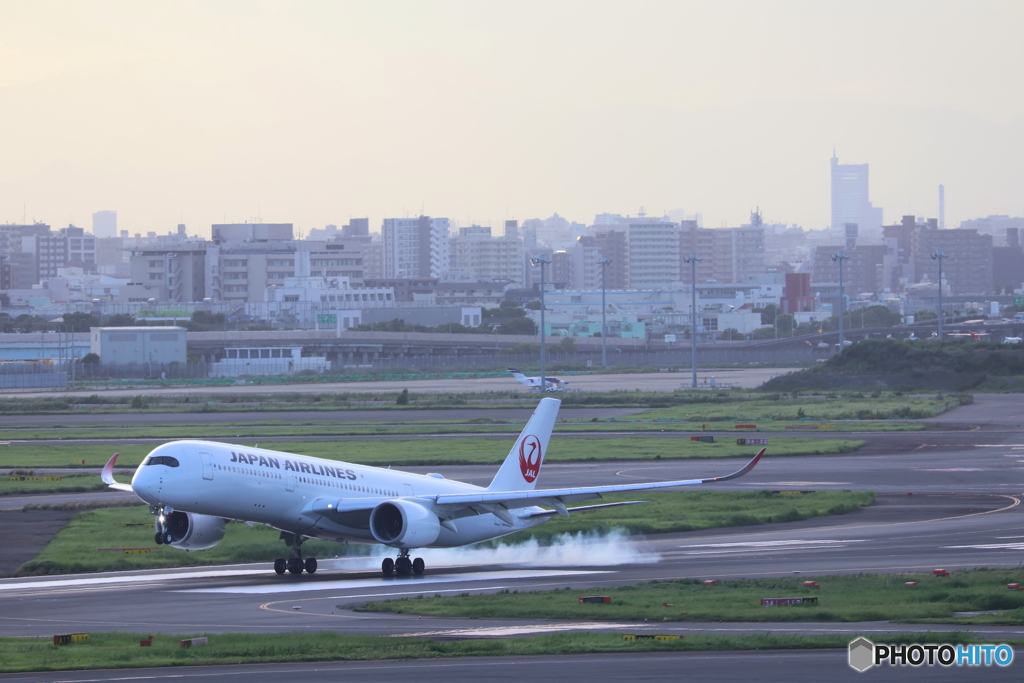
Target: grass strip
point(75, 547)
point(842, 598)
point(122, 650)
point(247, 431)
point(819, 407)
point(462, 451)
point(69, 483)
point(750, 404)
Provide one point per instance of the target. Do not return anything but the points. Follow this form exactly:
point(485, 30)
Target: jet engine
point(403, 524)
point(192, 532)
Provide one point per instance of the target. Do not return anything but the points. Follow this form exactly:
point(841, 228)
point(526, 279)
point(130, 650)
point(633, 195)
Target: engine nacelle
point(194, 532)
point(402, 524)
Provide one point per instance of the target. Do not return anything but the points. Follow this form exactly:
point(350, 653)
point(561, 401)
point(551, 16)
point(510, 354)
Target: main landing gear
point(294, 564)
point(403, 565)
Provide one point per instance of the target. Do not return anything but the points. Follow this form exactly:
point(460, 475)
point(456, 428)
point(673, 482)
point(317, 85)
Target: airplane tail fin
point(521, 468)
point(520, 377)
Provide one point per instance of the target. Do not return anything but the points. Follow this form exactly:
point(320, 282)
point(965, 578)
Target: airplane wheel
point(403, 566)
point(168, 539)
point(159, 538)
point(280, 565)
point(311, 565)
point(387, 566)
point(295, 565)
point(418, 565)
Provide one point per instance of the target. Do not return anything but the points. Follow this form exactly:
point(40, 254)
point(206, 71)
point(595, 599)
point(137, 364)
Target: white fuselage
point(282, 490)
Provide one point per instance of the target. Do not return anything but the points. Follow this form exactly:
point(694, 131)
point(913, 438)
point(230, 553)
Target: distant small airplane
point(552, 383)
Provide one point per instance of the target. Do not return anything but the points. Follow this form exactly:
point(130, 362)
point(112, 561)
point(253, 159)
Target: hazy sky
point(312, 112)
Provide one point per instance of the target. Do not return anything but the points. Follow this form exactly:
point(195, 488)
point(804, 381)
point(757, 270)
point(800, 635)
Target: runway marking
point(804, 483)
point(990, 546)
point(504, 631)
point(78, 582)
point(762, 546)
point(381, 582)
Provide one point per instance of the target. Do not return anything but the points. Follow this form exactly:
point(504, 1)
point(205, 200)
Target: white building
point(286, 360)
point(415, 247)
point(303, 299)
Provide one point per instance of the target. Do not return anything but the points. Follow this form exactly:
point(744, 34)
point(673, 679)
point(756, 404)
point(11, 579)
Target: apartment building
point(654, 255)
point(415, 247)
point(479, 256)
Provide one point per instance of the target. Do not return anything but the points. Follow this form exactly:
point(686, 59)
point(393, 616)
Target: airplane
point(969, 335)
point(193, 487)
point(553, 383)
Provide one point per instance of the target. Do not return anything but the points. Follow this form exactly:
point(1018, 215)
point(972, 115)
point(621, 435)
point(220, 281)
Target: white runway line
point(990, 546)
point(405, 582)
point(773, 544)
point(504, 631)
point(144, 578)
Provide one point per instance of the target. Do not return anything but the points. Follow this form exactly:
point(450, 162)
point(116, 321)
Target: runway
point(900, 534)
point(807, 666)
point(964, 512)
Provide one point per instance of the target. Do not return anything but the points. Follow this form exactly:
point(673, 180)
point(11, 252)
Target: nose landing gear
point(295, 564)
point(403, 565)
point(162, 536)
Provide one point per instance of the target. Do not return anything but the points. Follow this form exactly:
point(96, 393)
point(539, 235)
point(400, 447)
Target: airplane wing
point(107, 475)
point(558, 497)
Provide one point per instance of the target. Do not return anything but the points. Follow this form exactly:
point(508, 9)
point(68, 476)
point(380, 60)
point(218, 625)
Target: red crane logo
point(530, 457)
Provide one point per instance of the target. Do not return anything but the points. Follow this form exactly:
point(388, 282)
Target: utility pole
point(938, 256)
point(841, 256)
point(541, 261)
point(692, 260)
point(603, 262)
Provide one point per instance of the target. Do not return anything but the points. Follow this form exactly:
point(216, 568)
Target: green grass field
point(783, 407)
point(859, 597)
point(69, 483)
point(307, 429)
point(74, 548)
point(121, 650)
point(461, 451)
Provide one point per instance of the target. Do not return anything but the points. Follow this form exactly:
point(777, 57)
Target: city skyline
point(313, 113)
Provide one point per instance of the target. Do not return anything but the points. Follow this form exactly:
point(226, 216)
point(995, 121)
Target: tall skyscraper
point(104, 224)
point(850, 202)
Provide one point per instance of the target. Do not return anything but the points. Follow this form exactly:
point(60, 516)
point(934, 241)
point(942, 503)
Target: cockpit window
point(163, 460)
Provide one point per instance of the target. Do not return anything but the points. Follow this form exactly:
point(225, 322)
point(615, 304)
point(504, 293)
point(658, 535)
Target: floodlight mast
point(938, 256)
point(692, 259)
point(841, 256)
point(603, 262)
point(541, 261)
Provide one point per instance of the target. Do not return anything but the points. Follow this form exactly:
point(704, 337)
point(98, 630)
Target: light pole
point(541, 261)
point(841, 256)
point(692, 260)
point(603, 262)
point(938, 256)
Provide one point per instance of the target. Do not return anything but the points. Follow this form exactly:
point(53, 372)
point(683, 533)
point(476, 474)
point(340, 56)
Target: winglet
point(739, 473)
point(107, 475)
